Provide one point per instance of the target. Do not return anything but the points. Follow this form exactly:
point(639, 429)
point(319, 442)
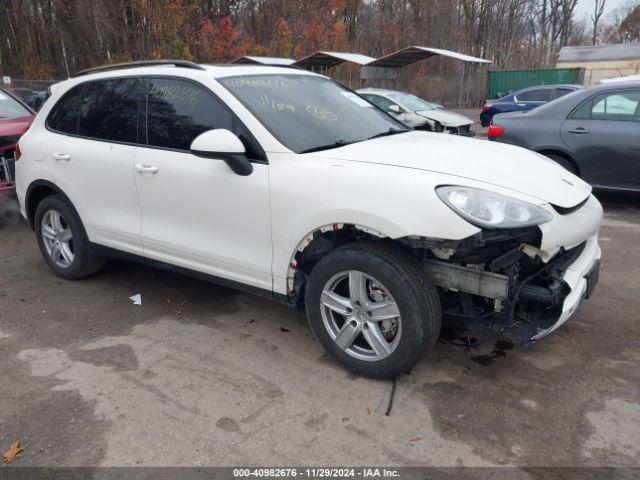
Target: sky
point(584, 8)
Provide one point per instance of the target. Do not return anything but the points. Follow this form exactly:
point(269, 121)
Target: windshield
point(309, 113)
point(11, 108)
point(412, 103)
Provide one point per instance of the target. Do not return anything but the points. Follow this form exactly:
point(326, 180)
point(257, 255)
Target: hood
point(10, 127)
point(509, 167)
point(445, 117)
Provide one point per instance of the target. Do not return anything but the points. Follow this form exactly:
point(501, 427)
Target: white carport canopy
point(410, 55)
point(326, 60)
point(386, 67)
point(264, 60)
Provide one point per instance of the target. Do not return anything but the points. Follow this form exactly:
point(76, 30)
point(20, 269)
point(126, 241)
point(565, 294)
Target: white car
point(417, 113)
point(283, 183)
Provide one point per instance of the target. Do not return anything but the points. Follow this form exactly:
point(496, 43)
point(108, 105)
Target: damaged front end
point(495, 279)
point(435, 126)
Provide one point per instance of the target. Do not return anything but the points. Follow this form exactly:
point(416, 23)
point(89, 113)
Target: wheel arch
point(320, 242)
point(37, 191)
point(546, 151)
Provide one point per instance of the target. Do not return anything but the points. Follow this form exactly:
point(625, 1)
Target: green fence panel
point(503, 82)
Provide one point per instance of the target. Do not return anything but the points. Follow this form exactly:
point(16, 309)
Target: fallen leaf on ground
point(368, 411)
point(450, 427)
point(415, 440)
point(10, 454)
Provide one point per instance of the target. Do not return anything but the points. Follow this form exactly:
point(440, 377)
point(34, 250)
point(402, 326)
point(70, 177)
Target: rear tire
point(372, 309)
point(564, 163)
point(63, 241)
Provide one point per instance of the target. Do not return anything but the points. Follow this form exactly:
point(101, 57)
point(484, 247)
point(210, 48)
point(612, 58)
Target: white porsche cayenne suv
point(283, 183)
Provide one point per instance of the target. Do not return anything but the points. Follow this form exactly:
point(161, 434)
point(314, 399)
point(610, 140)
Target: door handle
point(144, 168)
point(61, 157)
point(579, 131)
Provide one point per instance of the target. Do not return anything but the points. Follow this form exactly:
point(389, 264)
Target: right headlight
point(491, 210)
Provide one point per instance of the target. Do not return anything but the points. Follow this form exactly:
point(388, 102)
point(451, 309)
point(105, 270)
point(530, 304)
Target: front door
point(197, 213)
point(603, 135)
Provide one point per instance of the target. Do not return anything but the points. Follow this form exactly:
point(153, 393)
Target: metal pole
point(461, 86)
point(469, 85)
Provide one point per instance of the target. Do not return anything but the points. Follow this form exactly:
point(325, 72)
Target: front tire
point(62, 240)
point(372, 310)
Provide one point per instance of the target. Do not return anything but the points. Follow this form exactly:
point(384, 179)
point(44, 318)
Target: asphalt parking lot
point(204, 375)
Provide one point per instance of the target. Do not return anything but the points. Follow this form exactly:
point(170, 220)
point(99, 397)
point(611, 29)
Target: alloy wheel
point(58, 238)
point(361, 315)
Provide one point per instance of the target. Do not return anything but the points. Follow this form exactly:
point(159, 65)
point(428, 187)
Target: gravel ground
point(205, 375)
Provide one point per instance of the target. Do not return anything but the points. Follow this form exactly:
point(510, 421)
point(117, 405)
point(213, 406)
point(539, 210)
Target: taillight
point(486, 107)
point(494, 131)
point(17, 153)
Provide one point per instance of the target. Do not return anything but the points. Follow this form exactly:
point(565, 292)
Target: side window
point(64, 115)
point(538, 95)
point(380, 102)
point(561, 92)
point(109, 110)
point(178, 111)
point(621, 106)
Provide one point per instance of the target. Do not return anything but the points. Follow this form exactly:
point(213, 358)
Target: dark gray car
point(594, 133)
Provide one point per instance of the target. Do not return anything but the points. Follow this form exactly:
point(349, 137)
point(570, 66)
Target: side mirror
point(394, 109)
point(224, 145)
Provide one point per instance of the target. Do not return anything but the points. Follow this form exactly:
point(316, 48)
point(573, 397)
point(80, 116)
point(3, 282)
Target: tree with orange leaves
point(220, 43)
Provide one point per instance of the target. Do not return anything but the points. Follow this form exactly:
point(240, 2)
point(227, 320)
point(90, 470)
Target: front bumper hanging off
point(581, 277)
point(524, 309)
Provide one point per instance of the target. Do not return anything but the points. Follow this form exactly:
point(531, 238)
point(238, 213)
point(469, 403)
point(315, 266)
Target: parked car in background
point(594, 133)
point(283, 183)
point(15, 118)
point(524, 100)
point(417, 113)
point(32, 98)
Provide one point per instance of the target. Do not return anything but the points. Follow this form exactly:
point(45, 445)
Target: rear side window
point(64, 115)
point(178, 111)
point(561, 92)
point(102, 110)
point(542, 95)
point(621, 106)
point(109, 110)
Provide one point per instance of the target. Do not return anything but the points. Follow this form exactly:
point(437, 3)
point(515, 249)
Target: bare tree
point(597, 13)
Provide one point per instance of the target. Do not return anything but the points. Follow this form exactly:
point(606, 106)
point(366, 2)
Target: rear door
point(90, 146)
point(533, 98)
point(197, 213)
point(603, 135)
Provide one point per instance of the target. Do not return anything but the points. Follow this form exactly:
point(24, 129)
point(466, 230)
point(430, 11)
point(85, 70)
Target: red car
point(15, 119)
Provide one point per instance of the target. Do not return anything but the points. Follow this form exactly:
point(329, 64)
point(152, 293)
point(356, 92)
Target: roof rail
point(140, 63)
point(238, 65)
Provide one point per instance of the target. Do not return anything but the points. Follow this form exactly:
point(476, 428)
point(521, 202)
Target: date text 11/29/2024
point(362, 472)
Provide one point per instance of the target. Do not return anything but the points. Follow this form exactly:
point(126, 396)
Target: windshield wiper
point(391, 131)
point(341, 143)
point(338, 143)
